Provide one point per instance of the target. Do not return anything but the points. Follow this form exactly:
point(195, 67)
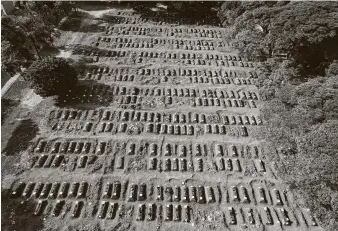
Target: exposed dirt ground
point(158, 136)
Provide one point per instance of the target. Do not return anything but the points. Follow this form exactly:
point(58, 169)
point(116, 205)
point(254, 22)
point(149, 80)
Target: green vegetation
point(184, 12)
point(21, 38)
point(300, 93)
point(29, 29)
point(51, 76)
point(305, 31)
point(303, 126)
point(51, 11)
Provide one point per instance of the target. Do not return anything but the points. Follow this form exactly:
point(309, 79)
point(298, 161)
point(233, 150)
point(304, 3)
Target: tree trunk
point(35, 47)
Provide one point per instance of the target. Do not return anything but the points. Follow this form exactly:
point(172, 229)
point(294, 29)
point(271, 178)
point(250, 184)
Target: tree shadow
point(50, 51)
point(17, 214)
point(103, 5)
point(94, 5)
point(21, 137)
point(111, 18)
point(6, 107)
point(80, 21)
point(82, 25)
point(80, 49)
point(87, 50)
point(190, 13)
point(87, 94)
point(180, 18)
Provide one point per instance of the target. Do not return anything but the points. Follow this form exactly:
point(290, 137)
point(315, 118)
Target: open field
point(157, 136)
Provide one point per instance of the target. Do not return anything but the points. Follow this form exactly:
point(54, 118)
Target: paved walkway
point(8, 85)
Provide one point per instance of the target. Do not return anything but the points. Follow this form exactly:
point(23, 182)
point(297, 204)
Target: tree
point(51, 11)
point(51, 76)
point(13, 58)
point(29, 31)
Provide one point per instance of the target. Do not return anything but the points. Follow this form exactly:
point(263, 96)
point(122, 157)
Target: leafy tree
point(13, 58)
point(51, 11)
point(51, 76)
point(26, 31)
point(22, 39)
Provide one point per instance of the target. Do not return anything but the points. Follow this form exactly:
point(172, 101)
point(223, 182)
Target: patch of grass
point(21, 137)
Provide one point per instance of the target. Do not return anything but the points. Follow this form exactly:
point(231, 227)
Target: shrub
point(51, 76)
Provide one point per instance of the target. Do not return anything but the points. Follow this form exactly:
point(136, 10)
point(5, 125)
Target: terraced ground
point(158, 136)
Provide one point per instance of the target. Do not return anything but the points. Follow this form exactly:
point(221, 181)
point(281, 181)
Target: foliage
point(306, 31)
point(51, 11)
point(302, 123)
point(22, 38)
point(51, 76)
point(30, 28)
point(186, 12)
point(300, 94)
point(13, 58)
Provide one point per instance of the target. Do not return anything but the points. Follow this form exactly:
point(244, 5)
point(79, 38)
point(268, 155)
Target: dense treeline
point(184, 12)
point(305, 31)
point(297, 45)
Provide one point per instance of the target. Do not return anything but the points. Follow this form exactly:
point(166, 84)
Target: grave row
point(151, 148)
point(141, 192)
point(48, 190)
point(178, 213)
point(193, 58)
point(139, 30)
point(153, 128)
point(62, 161)
point(160, 41)
point(165, 79)
point(171, 71)
point(144, 116)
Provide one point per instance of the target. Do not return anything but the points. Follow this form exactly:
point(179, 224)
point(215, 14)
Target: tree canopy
point(51, 76)
point(51, 11)
point(30, 28)
point(297, 46)
point(307, 31)
point(22, 38)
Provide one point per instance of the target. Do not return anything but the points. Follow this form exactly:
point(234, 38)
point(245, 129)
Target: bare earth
point(161, 139)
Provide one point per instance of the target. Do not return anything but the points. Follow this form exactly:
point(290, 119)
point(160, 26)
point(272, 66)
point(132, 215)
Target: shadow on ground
point(17, 214)
point(88, 94)
point(81, 22)
point(21, 137)
point(188, 13)
point(7, 105)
